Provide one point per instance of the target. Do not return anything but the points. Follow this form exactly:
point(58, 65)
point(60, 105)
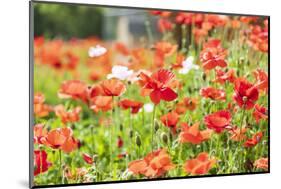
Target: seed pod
point(204, 76)
point(131, 133)
point(138, 140)
point(156, 125)
point(164, 138)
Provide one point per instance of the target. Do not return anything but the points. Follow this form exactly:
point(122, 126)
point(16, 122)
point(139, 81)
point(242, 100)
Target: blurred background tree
point(67, 21)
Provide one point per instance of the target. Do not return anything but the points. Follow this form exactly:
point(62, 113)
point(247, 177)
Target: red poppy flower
point(41, 164)
point(258, 38)
point(190, 18)
point(170, 120)
point(193, 135)
point(101, 103)
point(199, 34)
point(39, 98)
point(39, 133)
point(161, 13)
point(74, 89)
point(164, 25)
point(55, 138)
point(212, 44)
point(217, 20)
point(213, 54)
point(210, 60)
point(155, 164)
point(121, 48)
point(113, 87)
point(40, 108)
point(222, 77)
point(135, 106)
point(67, 116)
point(186, 104)
point(162, 50)
point(259, 113)
point(158, 84)
point(199, 165)
point(256, 138)
point(87, 158)
point(218, 121)
point(62, 138)
point(212, 93)
point(261, 80)
point(179, 60)
point(238, 134)
point(261, 163)
point(71, 60)
point(246, 94)
point(39, 41)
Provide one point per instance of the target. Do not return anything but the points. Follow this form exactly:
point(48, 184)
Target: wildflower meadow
point(187, 99)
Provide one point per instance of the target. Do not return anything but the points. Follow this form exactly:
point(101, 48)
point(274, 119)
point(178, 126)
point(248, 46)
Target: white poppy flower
point(120, 72)
point(187, 65)
point(96, 51)
point(148, 107)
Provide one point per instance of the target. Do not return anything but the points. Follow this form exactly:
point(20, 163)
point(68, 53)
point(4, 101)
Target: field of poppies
point(190, 99)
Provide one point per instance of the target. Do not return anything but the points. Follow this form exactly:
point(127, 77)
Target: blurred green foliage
point(67, 21)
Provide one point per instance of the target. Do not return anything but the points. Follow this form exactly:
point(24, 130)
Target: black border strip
point(31, 118)
point(31, 93)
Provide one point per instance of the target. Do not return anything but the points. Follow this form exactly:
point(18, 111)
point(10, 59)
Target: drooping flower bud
point(156, 125)
point(204, 76)
point(131, 133)
point(138, 140)
point(164, 138)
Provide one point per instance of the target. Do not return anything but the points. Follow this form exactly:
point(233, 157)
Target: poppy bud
point(131, 133)
point(79, 144)
point(138, 140)
point(156, 126)
point(41, 147)
point(119, 142)
point(189, 90)
point(238, 72)
point(121, 127)
point(164, 138)
point(204, 76)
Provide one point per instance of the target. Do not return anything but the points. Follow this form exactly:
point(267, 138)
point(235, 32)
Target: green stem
point(60, 166)
point(110, 136)
point(152, 127)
